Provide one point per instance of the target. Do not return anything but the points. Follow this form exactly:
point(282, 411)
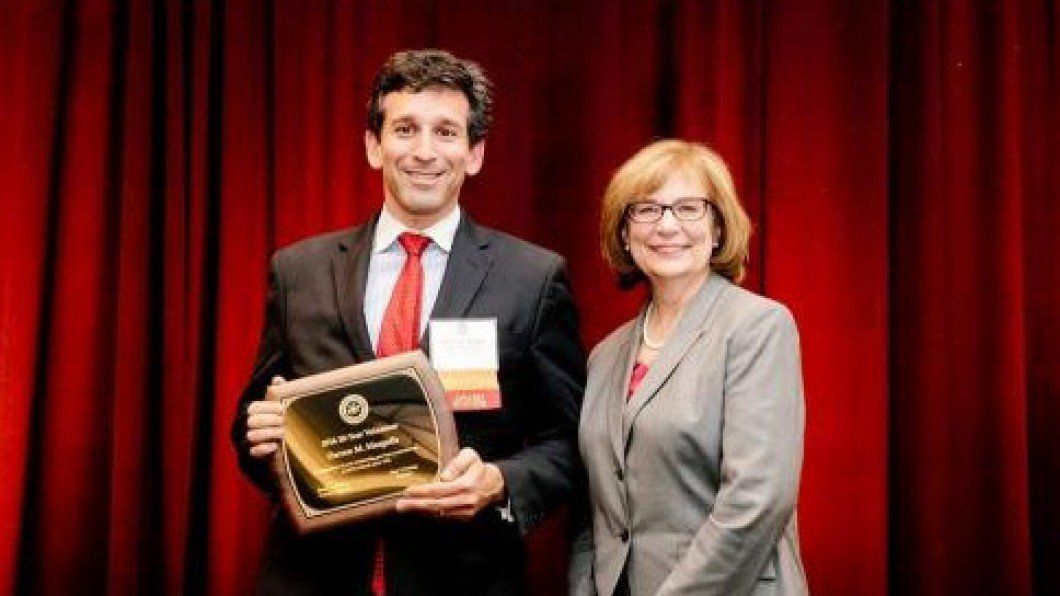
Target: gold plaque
point(356, 437)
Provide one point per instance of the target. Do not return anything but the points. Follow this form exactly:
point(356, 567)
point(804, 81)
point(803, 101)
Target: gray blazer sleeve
point(763, 422)
point(580, 568)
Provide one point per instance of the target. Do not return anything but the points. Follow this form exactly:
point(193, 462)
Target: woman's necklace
point(648, 343)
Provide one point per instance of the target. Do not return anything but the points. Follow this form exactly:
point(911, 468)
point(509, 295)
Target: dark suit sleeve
point(271, 361)
point(548, 469)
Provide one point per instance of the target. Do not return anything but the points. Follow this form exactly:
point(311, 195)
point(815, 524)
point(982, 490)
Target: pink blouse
point(639, 370)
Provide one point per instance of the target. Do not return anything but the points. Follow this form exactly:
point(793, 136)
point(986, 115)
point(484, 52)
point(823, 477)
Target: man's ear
point(474, 162)
point(372, 150)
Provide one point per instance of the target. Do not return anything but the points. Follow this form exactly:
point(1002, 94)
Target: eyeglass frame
point(663, 208)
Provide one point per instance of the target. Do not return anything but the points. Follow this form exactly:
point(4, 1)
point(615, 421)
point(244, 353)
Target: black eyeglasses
point(685, 209)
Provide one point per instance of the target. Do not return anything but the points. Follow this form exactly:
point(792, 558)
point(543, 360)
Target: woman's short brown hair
point(645, 173)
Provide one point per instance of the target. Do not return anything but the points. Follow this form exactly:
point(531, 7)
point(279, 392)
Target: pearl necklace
point(648, 343)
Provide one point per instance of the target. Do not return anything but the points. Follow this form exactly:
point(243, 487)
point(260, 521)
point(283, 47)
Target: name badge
point(464, 352)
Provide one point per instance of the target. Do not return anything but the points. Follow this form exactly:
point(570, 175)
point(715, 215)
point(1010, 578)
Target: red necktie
point(400, 332)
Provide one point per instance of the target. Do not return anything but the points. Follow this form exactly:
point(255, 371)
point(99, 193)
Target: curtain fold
point(898, 160)
point(960, 318)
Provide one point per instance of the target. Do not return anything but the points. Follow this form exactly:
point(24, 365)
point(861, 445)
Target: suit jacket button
point(618, 472)
point(624, 536)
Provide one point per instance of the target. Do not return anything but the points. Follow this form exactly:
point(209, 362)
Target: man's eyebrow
point(411, 119)
point(449, 122)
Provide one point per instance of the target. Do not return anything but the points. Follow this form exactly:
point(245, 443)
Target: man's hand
point(265, 425)
point(466, 486)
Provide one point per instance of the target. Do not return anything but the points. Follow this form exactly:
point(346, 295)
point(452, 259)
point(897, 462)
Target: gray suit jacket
point(694, 480)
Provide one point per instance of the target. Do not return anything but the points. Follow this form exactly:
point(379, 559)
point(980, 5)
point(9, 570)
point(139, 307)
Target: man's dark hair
point(417, 70)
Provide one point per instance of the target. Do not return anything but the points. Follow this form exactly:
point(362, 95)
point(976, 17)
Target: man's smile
point(423, 177)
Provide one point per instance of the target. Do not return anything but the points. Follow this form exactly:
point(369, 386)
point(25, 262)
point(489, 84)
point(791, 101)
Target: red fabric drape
point(898, 160)
point(974, 288)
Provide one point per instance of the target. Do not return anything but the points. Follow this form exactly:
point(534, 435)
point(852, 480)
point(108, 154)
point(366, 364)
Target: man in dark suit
point(333, 300)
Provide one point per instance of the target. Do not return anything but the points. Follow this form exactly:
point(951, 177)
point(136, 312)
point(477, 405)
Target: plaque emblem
point(353, 409)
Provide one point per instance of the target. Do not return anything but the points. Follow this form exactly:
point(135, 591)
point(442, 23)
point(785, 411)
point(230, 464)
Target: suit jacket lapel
point(622, 370)
point(349, 265)
point(691, 325)
point(469, 261)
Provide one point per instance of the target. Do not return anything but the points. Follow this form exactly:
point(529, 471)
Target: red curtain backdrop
point(899, 160)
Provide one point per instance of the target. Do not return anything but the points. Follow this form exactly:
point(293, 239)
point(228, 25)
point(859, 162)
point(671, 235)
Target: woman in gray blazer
point(692, 424)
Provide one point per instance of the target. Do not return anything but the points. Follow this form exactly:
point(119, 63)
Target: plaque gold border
point(308, 519)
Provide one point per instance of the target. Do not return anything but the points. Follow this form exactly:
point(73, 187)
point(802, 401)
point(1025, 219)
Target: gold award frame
point(356, 437)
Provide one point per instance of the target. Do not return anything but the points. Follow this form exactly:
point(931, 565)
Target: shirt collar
point(441, 232)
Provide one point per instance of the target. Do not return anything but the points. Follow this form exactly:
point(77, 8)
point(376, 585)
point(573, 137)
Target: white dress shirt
point(388, 257)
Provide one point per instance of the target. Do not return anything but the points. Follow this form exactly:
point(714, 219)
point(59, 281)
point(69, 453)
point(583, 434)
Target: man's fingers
point(463, 491)
point(263, 449)
point(265, 407)
point(436, 506)
point(435, 490)
point(466, 482)
point(264, 426)
point(259, 435)
point(264, 420)
point(425, 506)
point(407, 505)
point(460, 464)
point(278, 380)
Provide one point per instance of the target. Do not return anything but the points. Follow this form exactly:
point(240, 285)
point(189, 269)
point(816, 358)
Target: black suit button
point(624, 536)
point(618, 472)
